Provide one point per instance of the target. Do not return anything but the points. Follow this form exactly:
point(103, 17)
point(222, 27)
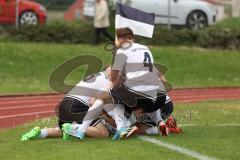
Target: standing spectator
point(101, 20)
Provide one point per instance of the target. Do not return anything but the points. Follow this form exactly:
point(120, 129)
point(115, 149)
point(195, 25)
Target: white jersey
point(89, 87)
point(136, 62)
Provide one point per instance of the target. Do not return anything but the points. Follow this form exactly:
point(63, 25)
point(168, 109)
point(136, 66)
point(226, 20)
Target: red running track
point(19, 109)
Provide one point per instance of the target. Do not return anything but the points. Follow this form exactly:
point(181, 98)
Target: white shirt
point(89, 87)
point(136, 61)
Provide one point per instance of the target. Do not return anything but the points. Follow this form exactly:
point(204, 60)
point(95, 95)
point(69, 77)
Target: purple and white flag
point(142, 23)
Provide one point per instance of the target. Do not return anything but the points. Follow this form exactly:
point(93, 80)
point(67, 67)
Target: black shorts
point(131, 99)
point(166, 111)
point(166, 106)
point(160, 101)
point(71, 110)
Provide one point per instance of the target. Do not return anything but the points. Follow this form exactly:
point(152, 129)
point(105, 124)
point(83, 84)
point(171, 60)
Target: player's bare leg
point(37, 133)
point(99, 131)
point(53, 132)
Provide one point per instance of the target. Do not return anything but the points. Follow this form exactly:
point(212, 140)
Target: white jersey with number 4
point(136, 61)
point(89, 87)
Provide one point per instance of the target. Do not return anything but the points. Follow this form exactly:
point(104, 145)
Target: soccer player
point(147, 122)
point(76, 104)
point(140, 89)
point(96, 130)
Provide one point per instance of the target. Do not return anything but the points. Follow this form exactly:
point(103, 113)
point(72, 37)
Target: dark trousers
point(99, 31)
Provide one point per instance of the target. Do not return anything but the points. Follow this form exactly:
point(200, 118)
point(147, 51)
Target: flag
point(141, 23)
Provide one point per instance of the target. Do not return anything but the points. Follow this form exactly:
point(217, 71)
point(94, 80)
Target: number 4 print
point(147, 61)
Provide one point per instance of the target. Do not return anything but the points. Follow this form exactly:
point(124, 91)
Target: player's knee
point(106, 98)
point(106, 134)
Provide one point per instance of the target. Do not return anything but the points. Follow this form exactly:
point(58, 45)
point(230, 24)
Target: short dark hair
point(125, 33)
point(105, 67)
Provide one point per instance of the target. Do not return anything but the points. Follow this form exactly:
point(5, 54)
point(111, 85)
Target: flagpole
point(169, 14)
point(116, 38)
point(17, 16)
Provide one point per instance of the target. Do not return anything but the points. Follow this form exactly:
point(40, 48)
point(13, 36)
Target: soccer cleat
point(71, 130)
point(163, 129)
point(31, 135)
point(171, 122)
point(172, 126)
point(125, 133)
point(131, 131)
point(66, 137)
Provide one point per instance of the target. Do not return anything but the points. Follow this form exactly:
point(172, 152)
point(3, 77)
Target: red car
point(29, 12)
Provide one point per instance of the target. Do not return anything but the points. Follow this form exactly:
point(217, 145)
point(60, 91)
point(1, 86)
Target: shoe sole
point(132, 132)
point(73, 135)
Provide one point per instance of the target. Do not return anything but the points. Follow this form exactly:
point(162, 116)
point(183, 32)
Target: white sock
point(116, 111)
point(157, 116)
point(109, 109)
point(121, 120)
point(92, 114)
point(43, 134)
point(152, 130)
point(83, 127)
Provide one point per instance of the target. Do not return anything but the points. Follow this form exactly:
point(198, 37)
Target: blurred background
point(71, 10)
point(203, 23)
point(54, 28)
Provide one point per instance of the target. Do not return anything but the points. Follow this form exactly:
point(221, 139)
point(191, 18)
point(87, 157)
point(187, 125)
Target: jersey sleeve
point(119, 62)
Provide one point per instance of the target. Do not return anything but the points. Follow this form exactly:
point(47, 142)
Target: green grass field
point(203, 128)
point(26, 67)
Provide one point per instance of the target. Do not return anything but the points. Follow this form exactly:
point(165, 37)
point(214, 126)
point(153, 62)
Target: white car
point(195, 14)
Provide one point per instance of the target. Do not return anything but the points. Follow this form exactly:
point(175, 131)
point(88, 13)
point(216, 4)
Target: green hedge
point(56, 33)
point(62, 33)
point(208, 38)
point(55, 4)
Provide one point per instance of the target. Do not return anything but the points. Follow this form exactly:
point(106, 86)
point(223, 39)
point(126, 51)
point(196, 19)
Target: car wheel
point(28, 18)
point(197, 20)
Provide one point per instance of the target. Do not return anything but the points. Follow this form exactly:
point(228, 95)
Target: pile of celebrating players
point(126, 99)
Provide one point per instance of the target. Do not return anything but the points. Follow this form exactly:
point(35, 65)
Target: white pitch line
point(179, 149)
point(229, 124)
point(29, 106)
point(187, 125)
point(26, 114)
point(216, 125)
point(29, 101)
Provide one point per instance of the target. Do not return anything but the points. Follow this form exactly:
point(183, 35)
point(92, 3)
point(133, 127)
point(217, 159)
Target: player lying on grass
point(147, 123)
point(100, 128)
point(95, 130)
point(106, 125)
point(76, 104)
point(141, 89)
